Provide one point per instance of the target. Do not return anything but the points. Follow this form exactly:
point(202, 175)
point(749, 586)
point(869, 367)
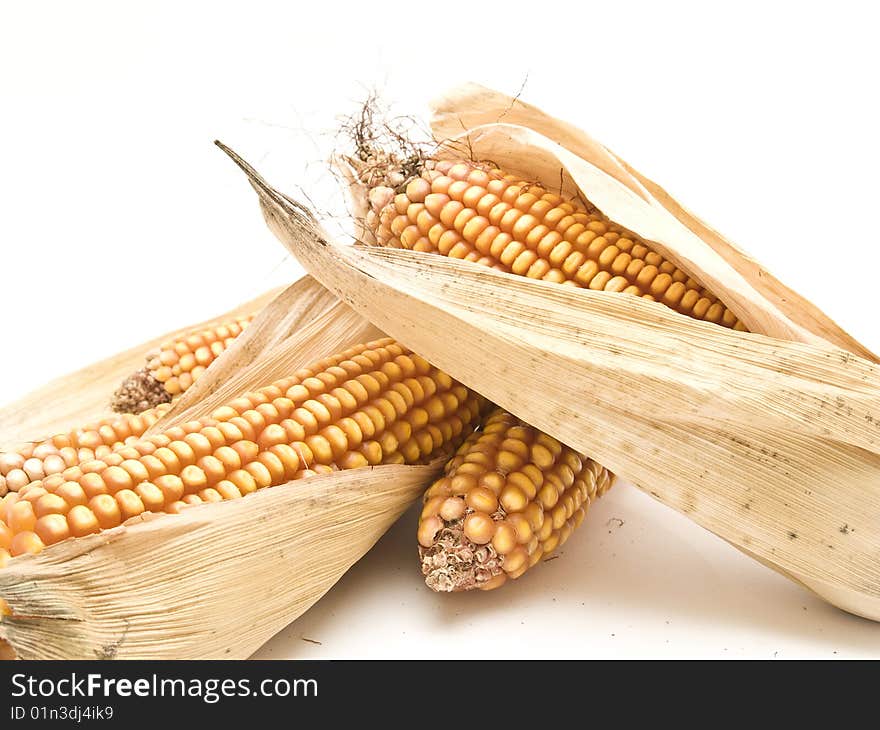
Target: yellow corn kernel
point(474, 534)
point(61, 454)
point(476, 212)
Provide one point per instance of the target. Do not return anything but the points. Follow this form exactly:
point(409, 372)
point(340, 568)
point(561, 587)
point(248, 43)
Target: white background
point(119, 220)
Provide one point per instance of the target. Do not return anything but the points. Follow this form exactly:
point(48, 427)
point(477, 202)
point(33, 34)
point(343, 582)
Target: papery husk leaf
point(771, 444)
point(472, 120)
point(217, 580)
point(84, 395)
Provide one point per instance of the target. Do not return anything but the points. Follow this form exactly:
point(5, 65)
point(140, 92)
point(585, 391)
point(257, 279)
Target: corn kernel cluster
point(182, 361)
point(176, 366)
point(53, 456)
point(475, 212)
point(510, 496)
point(373, 404)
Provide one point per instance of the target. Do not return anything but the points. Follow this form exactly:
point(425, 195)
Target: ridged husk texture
point(770, 439)
point(217, 580)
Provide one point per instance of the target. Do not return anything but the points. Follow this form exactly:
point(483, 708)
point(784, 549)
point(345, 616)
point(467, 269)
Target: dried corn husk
point(771, 441)
point(219, 579)
point(527, 141)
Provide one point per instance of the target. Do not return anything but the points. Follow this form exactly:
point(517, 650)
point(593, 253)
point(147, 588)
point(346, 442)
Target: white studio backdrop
point(120, 220)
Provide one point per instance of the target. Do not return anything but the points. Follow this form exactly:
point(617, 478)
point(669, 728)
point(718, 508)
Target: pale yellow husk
point(219, 579)
point(525, 140)
point(770, 440)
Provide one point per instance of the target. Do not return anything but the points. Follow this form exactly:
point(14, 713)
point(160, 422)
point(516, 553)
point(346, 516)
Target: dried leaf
point(219, 579)
point(772, 444)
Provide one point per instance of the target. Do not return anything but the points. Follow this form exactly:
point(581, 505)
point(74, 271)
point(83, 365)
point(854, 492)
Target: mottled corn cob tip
point(476, 212)
point(175, 366)
point(372, 404)
point(139, 392)
point(510, 496)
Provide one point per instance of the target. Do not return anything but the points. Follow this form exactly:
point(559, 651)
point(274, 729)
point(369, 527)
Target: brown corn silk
point(733, 429)
point(509, 497)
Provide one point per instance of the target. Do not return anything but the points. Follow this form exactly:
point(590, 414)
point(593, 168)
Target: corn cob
point(176, 365)
point(60, 453)
point(510, 496)
point(372, 404)
point(475, 212)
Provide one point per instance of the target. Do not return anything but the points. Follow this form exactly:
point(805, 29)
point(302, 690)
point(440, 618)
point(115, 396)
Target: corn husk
point(219, 579)
point(769, 439)
point(529, 142)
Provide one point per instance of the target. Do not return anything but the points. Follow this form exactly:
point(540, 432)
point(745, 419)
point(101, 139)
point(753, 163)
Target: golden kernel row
point(183, 360)
point(372, 404)
point(513, 488)
point(467, 211)
point(64, 452)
